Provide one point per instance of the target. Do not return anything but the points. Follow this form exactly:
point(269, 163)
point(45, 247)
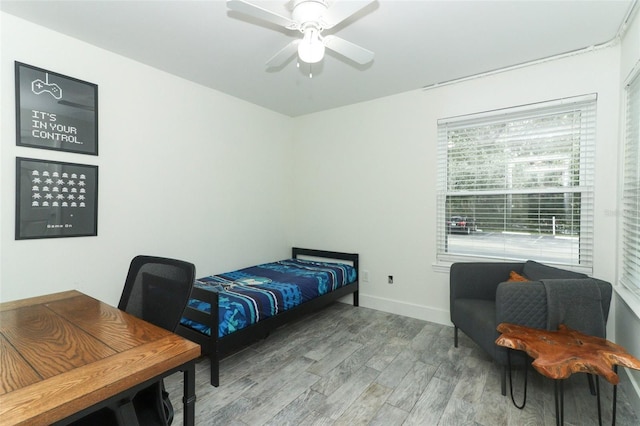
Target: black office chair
point(157, 290)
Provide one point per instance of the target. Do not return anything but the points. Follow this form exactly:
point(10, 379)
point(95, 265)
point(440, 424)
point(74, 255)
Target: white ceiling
point(416, 43)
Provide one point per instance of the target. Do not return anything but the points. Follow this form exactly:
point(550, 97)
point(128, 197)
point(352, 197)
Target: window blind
point(524, 178)
point(630, 276)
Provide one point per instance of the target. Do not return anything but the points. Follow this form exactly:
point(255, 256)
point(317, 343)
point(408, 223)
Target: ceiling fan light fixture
point(311, 18)
point(311, 48)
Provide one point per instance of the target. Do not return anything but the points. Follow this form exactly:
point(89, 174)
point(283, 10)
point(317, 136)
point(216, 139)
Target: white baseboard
point(402, 308)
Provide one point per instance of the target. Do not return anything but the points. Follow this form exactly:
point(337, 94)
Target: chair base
point(503, 379)
point(455, 336)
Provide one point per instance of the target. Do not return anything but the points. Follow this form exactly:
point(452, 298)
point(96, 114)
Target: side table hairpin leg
point(559, 400)
point(598, 398)
point(615, 394)
point(524, 398)
point(615, 397)
point(559, 397)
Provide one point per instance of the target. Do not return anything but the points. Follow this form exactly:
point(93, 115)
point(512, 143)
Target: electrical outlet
point(390, 279)
point(365, 276)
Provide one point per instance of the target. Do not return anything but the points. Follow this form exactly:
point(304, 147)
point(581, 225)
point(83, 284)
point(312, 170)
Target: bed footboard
point(218, 347)
point(208, 344)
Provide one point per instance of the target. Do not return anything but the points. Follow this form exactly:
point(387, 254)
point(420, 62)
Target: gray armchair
point(481, 298)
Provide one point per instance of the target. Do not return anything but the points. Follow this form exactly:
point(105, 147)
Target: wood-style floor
point(357, 366)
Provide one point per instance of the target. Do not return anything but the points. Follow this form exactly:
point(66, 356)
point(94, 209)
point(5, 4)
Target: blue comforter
point(252, 294)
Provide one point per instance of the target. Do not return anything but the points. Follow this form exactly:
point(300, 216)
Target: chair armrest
point(522, 303)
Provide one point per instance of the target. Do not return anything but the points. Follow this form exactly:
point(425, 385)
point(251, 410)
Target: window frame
point(628, 280)
point(586, 103)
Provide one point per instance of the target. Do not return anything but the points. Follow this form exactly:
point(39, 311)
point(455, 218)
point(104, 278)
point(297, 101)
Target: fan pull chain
point(310, 70)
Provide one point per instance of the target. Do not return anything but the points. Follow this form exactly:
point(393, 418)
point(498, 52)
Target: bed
point(244, 306)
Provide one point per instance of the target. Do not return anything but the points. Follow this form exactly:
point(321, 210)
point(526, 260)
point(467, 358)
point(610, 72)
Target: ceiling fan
point(311, 18)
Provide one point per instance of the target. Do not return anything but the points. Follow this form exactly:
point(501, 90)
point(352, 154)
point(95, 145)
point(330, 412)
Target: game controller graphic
point(38, 86)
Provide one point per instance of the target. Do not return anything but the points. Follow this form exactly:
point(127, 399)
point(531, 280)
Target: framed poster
point(54, 111)
point(55, 199)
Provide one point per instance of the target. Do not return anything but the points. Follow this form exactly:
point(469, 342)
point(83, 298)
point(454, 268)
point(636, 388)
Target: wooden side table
point(558, 354)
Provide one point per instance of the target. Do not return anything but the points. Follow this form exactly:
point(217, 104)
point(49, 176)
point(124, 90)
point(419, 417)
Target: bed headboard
point(327, 256)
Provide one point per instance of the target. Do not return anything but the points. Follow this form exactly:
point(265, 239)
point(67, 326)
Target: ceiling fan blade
point(283, 56)
point(341, 10)
point(261, 13)
point(348, 49)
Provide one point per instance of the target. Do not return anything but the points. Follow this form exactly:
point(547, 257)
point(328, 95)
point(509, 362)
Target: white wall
point(377, 161)
point(184, 171)
point(627, 320)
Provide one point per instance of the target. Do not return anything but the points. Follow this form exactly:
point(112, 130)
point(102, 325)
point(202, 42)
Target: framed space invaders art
point(55, 112)
point(55, 199)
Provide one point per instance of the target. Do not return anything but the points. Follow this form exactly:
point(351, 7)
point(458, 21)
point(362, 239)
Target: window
point(630, 276)
point(517, 184)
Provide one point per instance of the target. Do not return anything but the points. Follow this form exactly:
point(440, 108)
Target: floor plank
point(356, 366)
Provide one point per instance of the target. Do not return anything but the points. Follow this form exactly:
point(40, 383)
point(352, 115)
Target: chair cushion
point(537, 271)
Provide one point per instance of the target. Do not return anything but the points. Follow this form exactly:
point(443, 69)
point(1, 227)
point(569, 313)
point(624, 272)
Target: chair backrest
point(157, 290)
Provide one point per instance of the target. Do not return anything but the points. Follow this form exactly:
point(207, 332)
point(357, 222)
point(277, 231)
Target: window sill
point(441, 267)
point(444, 262)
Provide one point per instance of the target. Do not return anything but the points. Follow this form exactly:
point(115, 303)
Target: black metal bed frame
point(216, 348)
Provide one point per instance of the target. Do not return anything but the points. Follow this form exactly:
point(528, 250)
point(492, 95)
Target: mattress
point(252, 294)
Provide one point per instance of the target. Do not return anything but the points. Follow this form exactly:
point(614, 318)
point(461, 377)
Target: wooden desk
point(66, 354)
